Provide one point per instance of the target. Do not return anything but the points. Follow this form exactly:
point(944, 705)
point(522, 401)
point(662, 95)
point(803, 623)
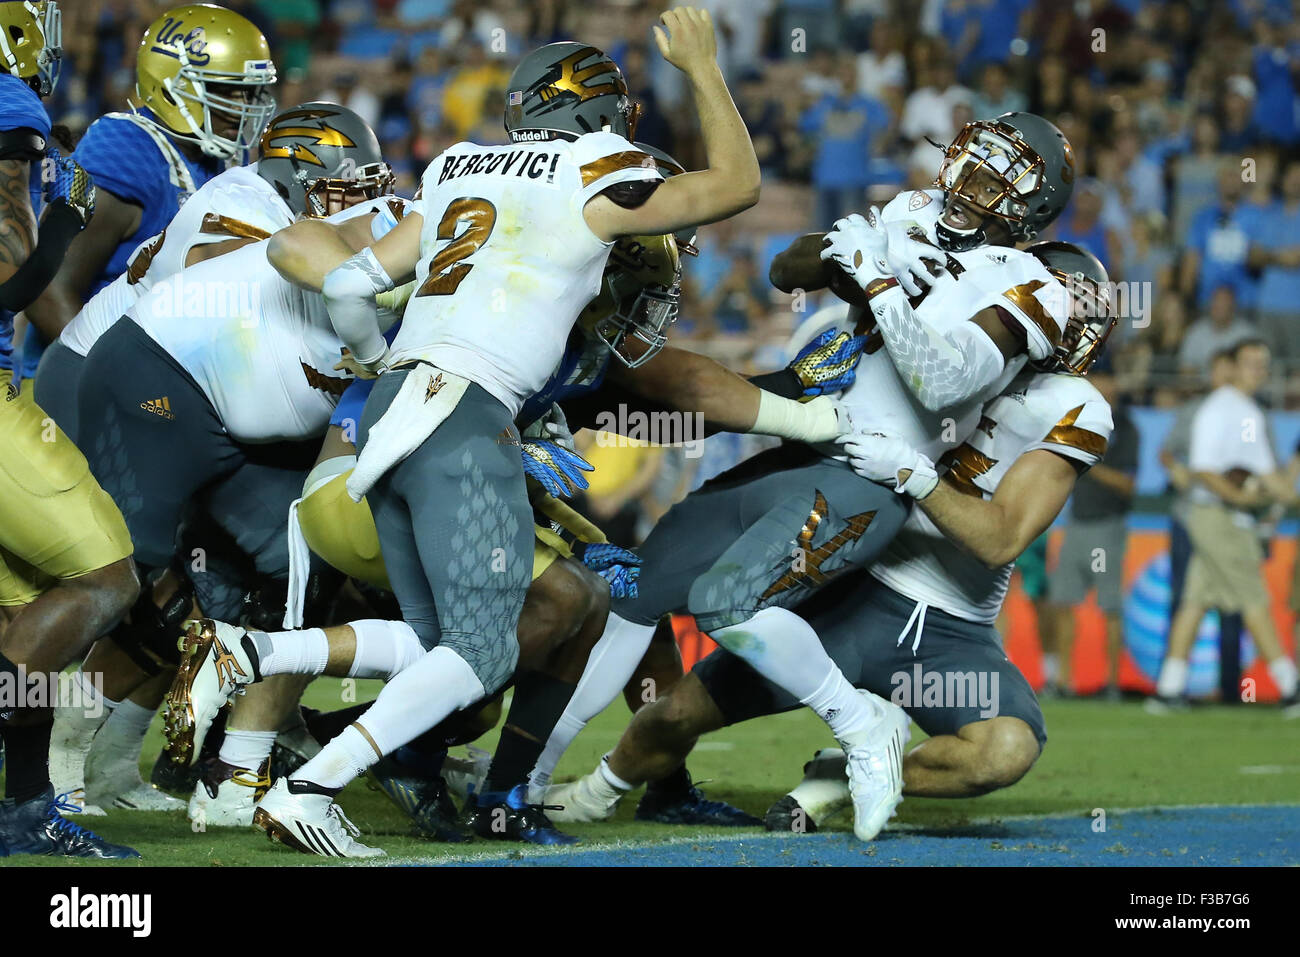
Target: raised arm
point(731, 181)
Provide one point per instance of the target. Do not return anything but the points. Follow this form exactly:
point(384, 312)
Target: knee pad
point(149, 638)
point(384, 648)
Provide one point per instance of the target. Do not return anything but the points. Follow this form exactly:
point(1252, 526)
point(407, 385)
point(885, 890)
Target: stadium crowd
point(1184, 116)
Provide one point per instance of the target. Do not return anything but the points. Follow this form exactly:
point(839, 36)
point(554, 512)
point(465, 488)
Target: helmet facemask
point(638, 327)
point(993, 149)
point(326, 196)
point(195, 93)
point(1089, 325)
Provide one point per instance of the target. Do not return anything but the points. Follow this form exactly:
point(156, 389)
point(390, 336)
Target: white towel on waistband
point(425, 399)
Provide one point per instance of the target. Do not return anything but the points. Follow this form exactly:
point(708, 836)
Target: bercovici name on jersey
point(531, 163)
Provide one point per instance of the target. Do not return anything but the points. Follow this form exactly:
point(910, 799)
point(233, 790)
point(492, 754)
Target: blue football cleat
point(693, 808)
point(509, 817)
point(37, 827)
point(421, 795)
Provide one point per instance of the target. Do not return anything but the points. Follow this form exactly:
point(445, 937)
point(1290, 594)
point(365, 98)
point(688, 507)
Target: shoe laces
point(345, 826)
point(54, 814)
point(252, 779)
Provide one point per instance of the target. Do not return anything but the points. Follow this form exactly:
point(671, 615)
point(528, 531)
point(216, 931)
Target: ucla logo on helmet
point(193, 43)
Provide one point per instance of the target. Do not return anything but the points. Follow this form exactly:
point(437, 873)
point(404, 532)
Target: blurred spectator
point(1275, 68)
point(928, 110)
point(293, 31)
point(995, 94)
point(1082, 223)
point(1218, 243)
point(739, 302)
point(882, 71)
point(845, 127)
point(1092, 553)
point(1196, 173)
point(1222, 328)
point(1239, 132)
point(1275, 249)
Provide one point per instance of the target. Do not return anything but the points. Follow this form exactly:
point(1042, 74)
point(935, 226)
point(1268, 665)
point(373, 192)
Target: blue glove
point(556, 468)
point(63, 180)
point(828, 363)
point(620, 567)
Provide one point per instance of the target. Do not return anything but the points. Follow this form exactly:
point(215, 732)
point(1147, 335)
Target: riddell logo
point(530, 136)
point(161, 407)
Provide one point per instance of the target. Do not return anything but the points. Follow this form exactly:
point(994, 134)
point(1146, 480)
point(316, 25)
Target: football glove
point(619, 566)
point(552, 426)
point(909, 259)
point(65, 181)
point(555, 468)
point(828, 363)
point(880, 458)
point(859, 248)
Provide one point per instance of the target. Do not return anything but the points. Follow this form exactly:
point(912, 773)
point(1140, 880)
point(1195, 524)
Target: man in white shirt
point(1237, 476)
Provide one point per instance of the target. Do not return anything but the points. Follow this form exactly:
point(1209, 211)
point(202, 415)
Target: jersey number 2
point(446, 272)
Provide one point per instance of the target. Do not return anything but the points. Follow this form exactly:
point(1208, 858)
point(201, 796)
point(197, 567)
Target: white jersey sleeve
point(607, 159)
point(237, 204)
point(1061, 413)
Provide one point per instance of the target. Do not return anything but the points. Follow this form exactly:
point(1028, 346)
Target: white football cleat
point(590, 798)
point(214, 667)
point(114, 780)
point(875, 768)
point(310, 823)
point(225, 796)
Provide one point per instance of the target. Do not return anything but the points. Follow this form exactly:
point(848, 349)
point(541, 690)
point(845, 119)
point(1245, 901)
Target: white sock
point(409, 705)
point(1173, 678)
point(122, 737)
point(1283, 672)
point(304, 652)
point(384, 648)
point(609, 667)
point(1051, 666)
point(844, 709)
point(74, 731)
point(612, 779)
point(785, 650)
point(246, 749)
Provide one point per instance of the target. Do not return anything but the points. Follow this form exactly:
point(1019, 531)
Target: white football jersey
point(507, 260)
point(1059, 412)
point(1014, 281)
point(235, 204)
point(262, 349)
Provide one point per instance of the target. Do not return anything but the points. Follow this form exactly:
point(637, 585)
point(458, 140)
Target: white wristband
point(813, 421)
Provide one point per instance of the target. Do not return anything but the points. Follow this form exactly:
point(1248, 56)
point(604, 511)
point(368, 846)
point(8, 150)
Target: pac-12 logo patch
point(919, 198)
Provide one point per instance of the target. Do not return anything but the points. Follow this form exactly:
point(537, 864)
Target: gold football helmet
point(204, 73)
point(638, 298)
point(31, 42)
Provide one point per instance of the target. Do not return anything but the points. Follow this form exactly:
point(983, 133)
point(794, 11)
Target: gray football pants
point(456, 530)
point(769, 532)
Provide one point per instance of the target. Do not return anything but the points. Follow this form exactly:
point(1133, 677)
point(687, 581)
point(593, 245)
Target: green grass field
point(1110, 756)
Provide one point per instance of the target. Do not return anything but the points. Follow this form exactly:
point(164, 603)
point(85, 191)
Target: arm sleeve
point(941, 368)
point(349, 292)
point(57, 230)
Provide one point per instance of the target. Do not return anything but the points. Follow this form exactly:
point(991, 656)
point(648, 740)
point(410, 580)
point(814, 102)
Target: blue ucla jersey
point(581, 370)
point(20, 108)
point(124, 160)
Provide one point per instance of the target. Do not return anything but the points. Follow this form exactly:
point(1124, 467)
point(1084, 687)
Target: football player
point(924, 612)
point(66, 573)
point(436, 434)
point(638, 301)
point(316, 159)
point(739, 552)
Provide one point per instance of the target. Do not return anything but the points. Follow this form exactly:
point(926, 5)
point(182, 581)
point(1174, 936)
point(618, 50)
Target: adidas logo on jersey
point(161, 407)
